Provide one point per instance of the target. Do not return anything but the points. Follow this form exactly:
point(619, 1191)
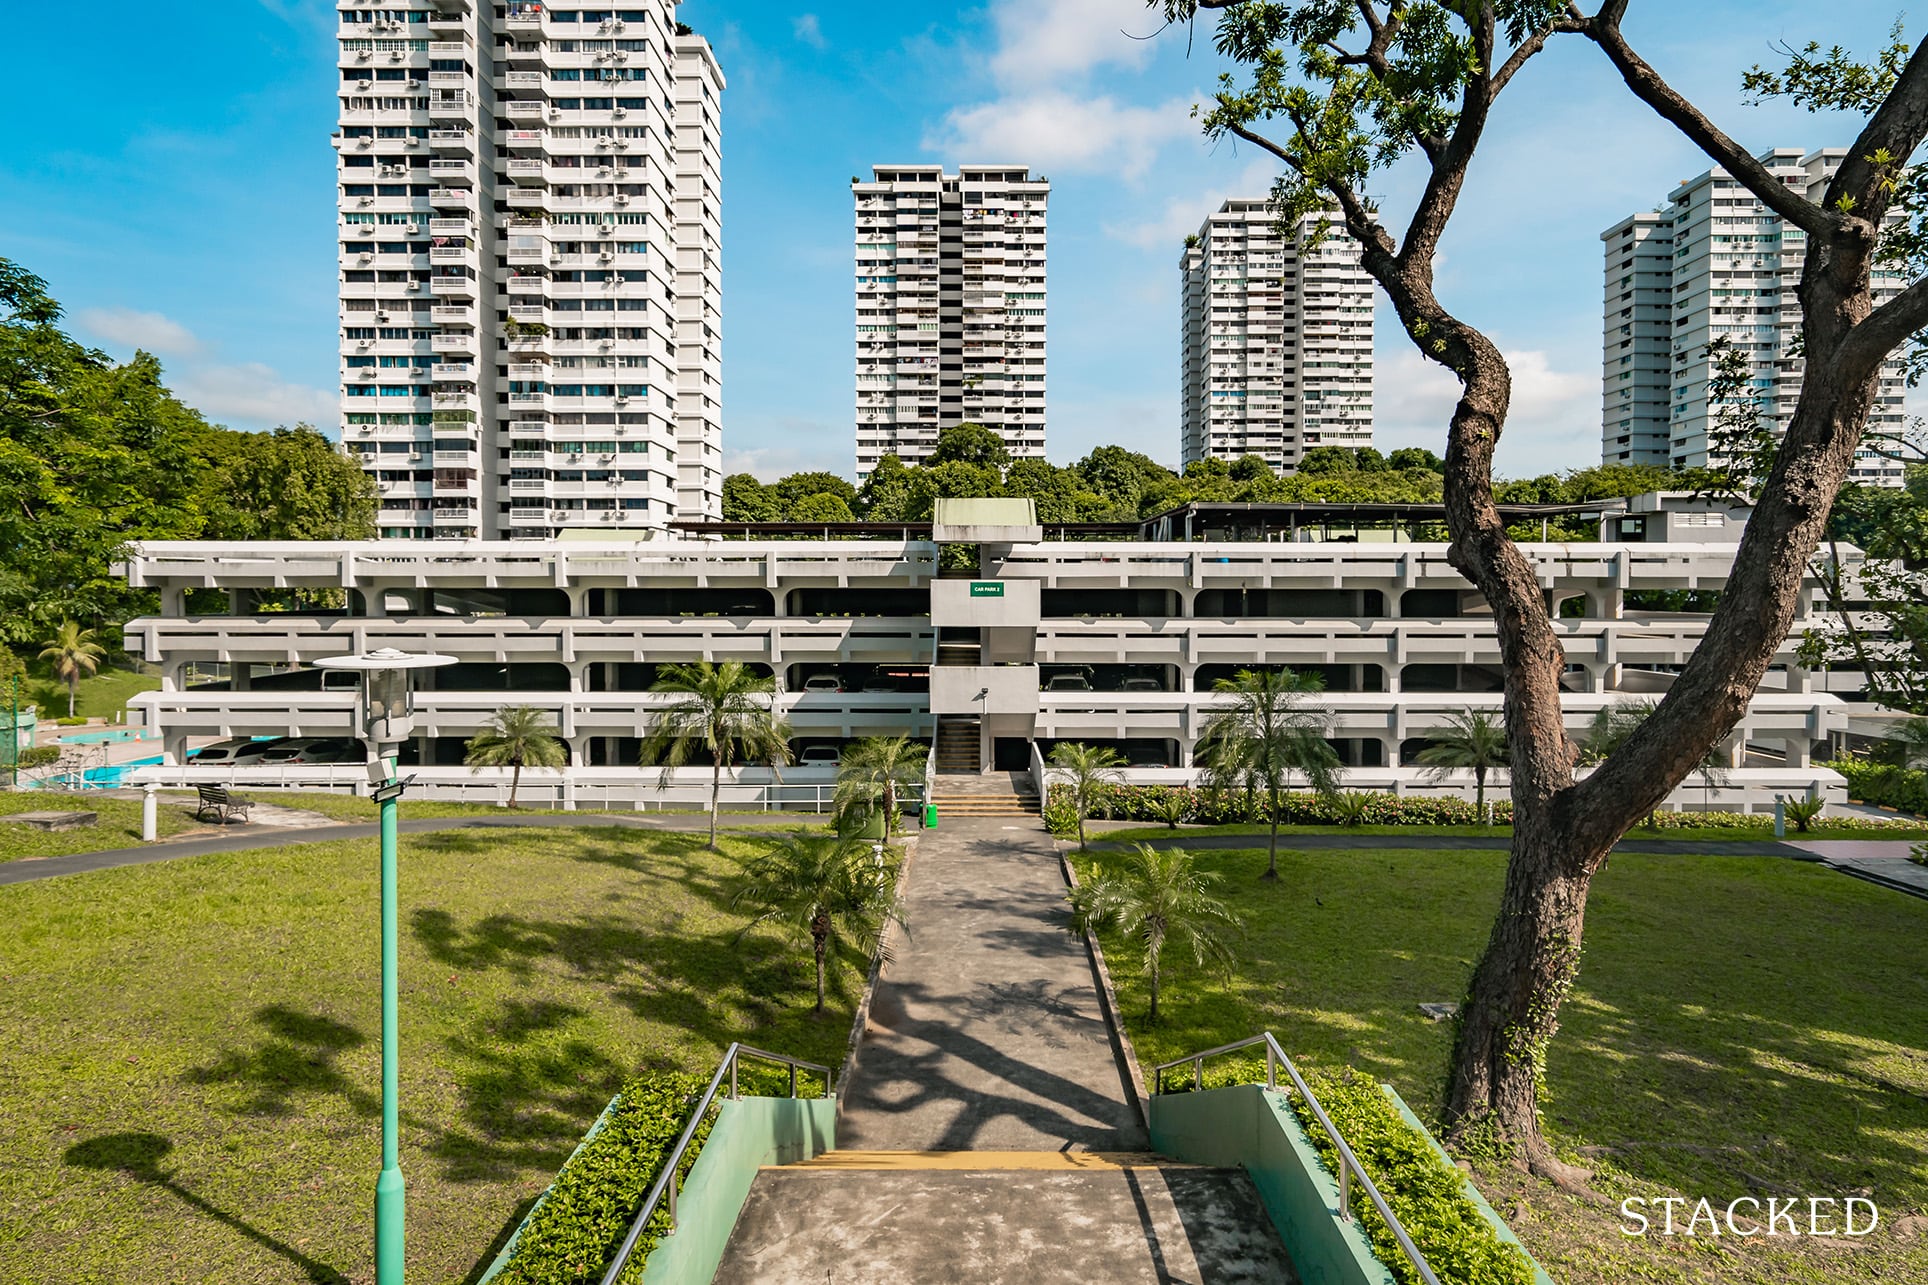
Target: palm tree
point(1910, 742)
point(872, 774)
point(724, 710)
point(825, 887)
point(1264, 735)
point(518, 736)
point(1153, 896)
point(1472, 738)
point(1091, 770)
point(1613, 724)
point(75, 656)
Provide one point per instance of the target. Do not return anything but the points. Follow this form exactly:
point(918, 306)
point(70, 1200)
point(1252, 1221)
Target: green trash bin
point(930, 816)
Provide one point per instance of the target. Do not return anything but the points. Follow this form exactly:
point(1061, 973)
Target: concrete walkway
point(1882, 861)
point(987, 1042)
point(986, 1031)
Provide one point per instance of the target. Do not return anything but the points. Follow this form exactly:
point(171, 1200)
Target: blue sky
point(169, 172)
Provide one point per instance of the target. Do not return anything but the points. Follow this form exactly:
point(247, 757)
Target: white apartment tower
point(510, 184)
point(1716, 263)
point(950, 308)
point(1277, 338)
point(699, 284)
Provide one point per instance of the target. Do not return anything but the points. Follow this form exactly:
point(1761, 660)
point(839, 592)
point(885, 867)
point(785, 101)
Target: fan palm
point(517, 736)
point(75, 655)
point(1089, 772)
point(1611, 727)
point(873, 772)
point(1266, 733)
point(1472, 738)
point(723, 710)
point(1154, 896)
point(823, 887)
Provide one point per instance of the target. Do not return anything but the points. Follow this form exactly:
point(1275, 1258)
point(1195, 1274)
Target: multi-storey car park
point(1276, 337)
point(527, 194)
point(1716, 264)
point(950, 308)
point(976, 632)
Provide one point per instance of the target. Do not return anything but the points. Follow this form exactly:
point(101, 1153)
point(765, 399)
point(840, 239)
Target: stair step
point(1058, 1161)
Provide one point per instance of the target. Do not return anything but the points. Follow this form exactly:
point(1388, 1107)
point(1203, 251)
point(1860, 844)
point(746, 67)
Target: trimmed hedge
point(1883, 785)
point(1148, 803)
point(39, 756)
point(1426, 1193)
point(577, 1227)
point(1429, 1196)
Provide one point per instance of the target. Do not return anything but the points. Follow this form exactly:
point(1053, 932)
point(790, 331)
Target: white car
point(823, 683)
point(1068, 683)
point(241, 750)
point(819, 756)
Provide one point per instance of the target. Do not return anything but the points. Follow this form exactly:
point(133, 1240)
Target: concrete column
point(1799, 751)
point(173, 601)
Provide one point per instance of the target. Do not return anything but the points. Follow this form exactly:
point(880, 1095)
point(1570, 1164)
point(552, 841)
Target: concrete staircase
point(1000, 794)
point(957, 744)
point(991, 1217)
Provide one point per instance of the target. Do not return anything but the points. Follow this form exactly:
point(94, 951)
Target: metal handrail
point(1348, 1163)
point(664, 1192)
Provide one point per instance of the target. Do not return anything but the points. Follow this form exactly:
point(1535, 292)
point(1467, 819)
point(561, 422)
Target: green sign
point(987, 588)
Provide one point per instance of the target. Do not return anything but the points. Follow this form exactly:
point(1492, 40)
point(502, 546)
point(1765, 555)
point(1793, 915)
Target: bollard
point(150, 814)
point(1780, 817)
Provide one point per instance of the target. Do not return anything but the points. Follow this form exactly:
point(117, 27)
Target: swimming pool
point(110, 777)
point(105, 738)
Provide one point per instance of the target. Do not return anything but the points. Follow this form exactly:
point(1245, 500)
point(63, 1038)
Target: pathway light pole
point(387, 711)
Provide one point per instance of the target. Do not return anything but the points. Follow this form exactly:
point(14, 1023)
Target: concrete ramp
point(1118, 1220)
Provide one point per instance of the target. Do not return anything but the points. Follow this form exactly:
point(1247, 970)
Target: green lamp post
point(388, 720)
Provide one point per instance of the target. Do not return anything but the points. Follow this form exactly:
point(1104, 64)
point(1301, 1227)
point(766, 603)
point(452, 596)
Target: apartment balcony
point(524, 140)
point(525, 109)
point(527, 21)
point(522, 80)
point(451, 80)
point(528, 312)
point(526, 170)
point(457, 517)
point(459, 341)
point(452, 314)
point(452, 171)
point(452, 141)
point(460, 371)
point(454, 400)
point(453, 286)
point(528, 198)
point(451, 105)
point(529, 401)
point(451, 198)
point(529, 285)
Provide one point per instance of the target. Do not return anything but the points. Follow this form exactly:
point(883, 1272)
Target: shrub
point(74, 721)
point(1803, 812)
point(39, 756)
point(578, 1226)
point(1884, 785)
point(1352, 808)
point(1172, 808)
point(1425, 1192)
point(1126, 802)
point(1060, 816)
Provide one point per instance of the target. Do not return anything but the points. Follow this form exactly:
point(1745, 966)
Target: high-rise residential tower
point(1717, 264)
point(1277, 338)
point(950, 308)
point(699, 284)
point(511, 178)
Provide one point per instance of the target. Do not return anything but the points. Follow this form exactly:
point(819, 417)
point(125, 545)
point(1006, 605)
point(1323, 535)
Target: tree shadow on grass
point(139, 1156)
point(297, 1059)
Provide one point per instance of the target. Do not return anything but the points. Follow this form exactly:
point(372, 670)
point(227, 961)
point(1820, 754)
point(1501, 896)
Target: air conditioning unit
point(622, 198)
point(397, 56)
point(364, 343)
point(608, 229)
point(604, 141)
point(413, 142)
point(367, 229)
point(618, 25)
point(367, 428)
point(555, 113)
point(365, 257)
point(363, 56)
point(622, 401)
point(363, 83)
point(619, 111)
point(621, 429)
point(605, 257)
point(413, 228)
point(622, 144)
point(414, 457)
point(381, 316)
point(560, 515)
point(414, 285)
point(414, 84)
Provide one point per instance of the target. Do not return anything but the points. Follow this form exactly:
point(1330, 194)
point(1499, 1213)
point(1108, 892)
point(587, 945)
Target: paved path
point(986, 1031)
point(1882, 861)
point(245, 837)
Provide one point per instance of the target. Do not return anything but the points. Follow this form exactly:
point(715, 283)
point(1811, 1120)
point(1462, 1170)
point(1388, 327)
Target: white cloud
point(146, 330)
point(1183, 215)
point(1553, 423)
point(1053, 129)
point(768, 463)
point(810, 31)
point(1041, 42)
point(252, 395)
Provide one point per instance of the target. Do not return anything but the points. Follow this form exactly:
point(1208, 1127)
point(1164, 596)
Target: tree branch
point(1648, 86)
point(1868, 344)
point(1897, 128)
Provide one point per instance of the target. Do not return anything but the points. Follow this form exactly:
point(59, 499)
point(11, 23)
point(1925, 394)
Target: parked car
point(1141, 685)
point(820, 756)
point(880, 683)
point(220, 751)
point(1067, 683)
point(823, 683)
point(316, 749)
point(240, 750)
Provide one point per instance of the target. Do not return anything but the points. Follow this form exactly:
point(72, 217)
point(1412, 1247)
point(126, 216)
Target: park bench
point(219, 803)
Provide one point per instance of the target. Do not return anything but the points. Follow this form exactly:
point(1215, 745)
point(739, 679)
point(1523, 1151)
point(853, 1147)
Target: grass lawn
point(119, 825)
point(102, 696)
point(1755, 834)
point(1741, 1026)
point(189, 1051)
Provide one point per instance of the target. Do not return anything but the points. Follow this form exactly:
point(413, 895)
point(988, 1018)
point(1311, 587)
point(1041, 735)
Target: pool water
point(105, 738)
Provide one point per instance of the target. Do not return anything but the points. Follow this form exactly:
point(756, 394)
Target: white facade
point(950, 275)
point(699, 281)
point(1732, 272)
point(509, 264)
point(1277, 339)
point(1112, 642)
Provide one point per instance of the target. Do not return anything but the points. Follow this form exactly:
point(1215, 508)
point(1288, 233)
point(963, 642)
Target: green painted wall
point(748, 1134)
point(1248, 1127)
